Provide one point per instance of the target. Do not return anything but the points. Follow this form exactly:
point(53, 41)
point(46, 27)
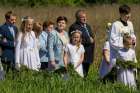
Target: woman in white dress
point(126, 54)
point(74, 52)
point(27, 53)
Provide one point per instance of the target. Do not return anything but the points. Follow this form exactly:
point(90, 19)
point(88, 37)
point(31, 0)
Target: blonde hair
point(24, 22)
point(23, 26)
point(79, 43)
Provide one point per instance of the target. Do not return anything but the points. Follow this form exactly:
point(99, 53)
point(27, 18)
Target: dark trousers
point(111, 77)
point(44, 65)
point(85, 68)
point(8, 65)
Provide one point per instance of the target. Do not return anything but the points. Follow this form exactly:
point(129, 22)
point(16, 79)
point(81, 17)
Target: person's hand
point(133, 42)
point(4, 40)
point(91, 40)
point(17, 66)
point(53, 63)
point(76, 66)
point(108, 62)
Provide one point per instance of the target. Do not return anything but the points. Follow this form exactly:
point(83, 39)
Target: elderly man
point(87, 38)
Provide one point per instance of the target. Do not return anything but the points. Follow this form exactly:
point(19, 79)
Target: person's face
point(12, 19)
point(50, 28)
point(76, 38)
point(29, 25)
point(82, 18)
point(125, 17)
point(61, 25)
point(128, 44)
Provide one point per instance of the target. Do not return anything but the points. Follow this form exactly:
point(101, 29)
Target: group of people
point(119, 50)
point(49, 47)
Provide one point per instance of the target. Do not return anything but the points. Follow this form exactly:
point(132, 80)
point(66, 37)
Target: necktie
point(86, 30)
point(12, 31)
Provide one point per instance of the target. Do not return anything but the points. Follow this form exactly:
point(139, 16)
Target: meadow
point(27, 81)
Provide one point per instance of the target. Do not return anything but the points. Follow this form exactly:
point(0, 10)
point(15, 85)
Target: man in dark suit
point(87, 38)
point(8, 33)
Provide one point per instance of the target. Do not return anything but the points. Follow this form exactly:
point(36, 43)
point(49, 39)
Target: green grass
point(27, 81)
point(44, 82)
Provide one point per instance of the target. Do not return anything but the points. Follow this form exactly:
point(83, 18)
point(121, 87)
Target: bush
point(33, 3)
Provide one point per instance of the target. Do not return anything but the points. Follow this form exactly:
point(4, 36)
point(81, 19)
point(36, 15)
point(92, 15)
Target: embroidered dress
point(27, 51)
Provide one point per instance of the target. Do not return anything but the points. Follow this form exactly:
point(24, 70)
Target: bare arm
point(106, 56)
point(65, 58)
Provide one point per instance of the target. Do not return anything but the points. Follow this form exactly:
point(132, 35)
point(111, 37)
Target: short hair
point(37, 26)
point(78, 12)
point(46, 24)
point(9, 14)
point(60, 18)
point(124, 9)
point(126, 38)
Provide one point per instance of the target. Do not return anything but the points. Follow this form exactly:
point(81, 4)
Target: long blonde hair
point(23, 26)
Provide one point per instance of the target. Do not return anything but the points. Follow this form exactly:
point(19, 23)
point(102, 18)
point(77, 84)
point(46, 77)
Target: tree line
point(33, 3)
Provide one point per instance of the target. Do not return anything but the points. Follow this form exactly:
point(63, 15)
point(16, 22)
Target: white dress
point(27, 52)
point(104, 67)
point(124, 75)
point(74, 55)
point(116, 38)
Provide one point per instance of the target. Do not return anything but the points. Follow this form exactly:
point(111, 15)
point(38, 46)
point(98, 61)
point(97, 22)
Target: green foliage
point(33, 3)
point(28, 81)
point(128, 1)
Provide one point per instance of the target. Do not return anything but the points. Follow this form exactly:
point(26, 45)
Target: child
point(26, 46)
point(74, 52)
point(105, 65)
point(126, 55)
point(48, 26)
point(37, 28)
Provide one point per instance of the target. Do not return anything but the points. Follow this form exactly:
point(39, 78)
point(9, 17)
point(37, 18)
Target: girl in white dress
point(26, 46)
point(74, 52)
point(126, 54)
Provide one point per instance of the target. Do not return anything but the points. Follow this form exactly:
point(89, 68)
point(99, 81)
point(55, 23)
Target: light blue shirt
point(43, 51)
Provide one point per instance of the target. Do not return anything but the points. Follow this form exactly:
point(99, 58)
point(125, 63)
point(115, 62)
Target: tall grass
point(28, 81)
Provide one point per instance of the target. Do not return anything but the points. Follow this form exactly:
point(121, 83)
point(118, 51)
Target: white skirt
point(30, 58)
point(127, 77)
point(79, 69)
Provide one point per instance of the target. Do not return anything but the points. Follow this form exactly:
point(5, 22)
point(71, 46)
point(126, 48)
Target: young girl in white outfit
point(74, 52)
point(126, 54)
point(105, 64)
point(26, 46)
